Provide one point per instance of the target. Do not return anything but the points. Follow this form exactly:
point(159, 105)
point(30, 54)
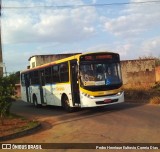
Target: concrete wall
point(42, 59)
point(138, 71)
point(157, 73)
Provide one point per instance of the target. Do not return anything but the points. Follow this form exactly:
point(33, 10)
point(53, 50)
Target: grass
point(29, 125)
point(146, 93)
point(14, 124)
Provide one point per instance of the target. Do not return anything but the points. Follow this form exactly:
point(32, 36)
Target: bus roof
point(52, 63)
point(62, 60)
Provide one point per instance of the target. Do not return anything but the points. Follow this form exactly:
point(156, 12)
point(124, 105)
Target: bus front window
point(98, 74)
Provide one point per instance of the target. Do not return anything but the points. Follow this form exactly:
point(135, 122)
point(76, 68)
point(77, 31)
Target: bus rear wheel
point(65, 104)
point(35, 101)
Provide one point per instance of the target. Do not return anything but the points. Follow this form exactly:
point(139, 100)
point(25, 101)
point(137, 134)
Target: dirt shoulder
point(142, 93)
point(15, 126)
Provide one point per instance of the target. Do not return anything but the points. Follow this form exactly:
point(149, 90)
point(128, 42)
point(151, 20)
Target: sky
point(132, 30)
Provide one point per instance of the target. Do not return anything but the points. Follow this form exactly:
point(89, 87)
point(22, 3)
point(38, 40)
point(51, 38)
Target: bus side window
point(48, 75)
point(23, 79)
point(31, 78)
point(55, 73)
point(35, 77)
point(27, 81)
point(64, 72)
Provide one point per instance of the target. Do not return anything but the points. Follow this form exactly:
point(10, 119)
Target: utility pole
point(1, 58)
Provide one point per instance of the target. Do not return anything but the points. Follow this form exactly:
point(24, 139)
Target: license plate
point(107, 100)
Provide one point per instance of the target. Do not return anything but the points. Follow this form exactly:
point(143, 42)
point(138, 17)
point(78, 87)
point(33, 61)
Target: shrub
point(155, 100)
point(7, 90)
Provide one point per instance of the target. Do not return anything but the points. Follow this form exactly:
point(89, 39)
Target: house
point(37, 60)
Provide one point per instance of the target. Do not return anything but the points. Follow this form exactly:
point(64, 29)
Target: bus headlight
point(87, 95)
point(92, 97)
point(119, 93)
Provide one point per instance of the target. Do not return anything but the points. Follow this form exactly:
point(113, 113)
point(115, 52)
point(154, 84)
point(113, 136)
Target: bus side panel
point(26, 93)
point(48, 94)
point(35, 91)
point(23, 93)
point(58, 90)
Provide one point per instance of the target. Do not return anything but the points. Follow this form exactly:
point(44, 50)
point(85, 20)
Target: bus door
point(27, 84)
point(74, 82)
point(41, 84)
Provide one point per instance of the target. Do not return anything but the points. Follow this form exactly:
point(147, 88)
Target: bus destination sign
point(98, 57)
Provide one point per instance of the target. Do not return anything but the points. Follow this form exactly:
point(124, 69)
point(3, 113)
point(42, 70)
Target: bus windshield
point(100, 74)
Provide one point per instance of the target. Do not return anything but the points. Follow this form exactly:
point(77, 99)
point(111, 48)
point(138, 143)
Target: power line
point(75, 6)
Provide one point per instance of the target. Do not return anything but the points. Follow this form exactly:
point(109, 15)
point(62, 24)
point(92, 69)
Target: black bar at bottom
point(111, 146)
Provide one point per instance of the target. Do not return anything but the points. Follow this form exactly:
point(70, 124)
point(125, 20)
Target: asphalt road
point(122, 123)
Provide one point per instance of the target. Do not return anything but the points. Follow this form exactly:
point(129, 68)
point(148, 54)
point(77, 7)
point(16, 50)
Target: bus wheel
point(65, 104)
point(35, 101)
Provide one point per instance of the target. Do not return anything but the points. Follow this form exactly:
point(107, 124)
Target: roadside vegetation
point(7, 90)
point(16, 124)
point(11, 123)
point(142, 93)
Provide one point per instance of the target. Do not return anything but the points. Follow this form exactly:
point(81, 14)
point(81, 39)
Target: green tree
point(7, 90)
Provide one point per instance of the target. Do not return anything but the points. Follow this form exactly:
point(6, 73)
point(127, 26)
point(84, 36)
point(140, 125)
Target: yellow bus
point(83, 80)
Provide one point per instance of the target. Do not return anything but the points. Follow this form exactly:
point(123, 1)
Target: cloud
point(48, 25)
point(124, 26)
point(130, 50)
point(16, 62)
point(15, 56)
point(122, 48)
point(135, 20)
point(151, 46)
point(94, 1)
point(130, 30)
point(66, 25)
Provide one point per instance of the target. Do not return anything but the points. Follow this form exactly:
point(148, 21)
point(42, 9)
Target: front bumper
point(87, 101)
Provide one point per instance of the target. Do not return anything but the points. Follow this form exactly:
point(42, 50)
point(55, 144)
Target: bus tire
point(35, 101)
point(65, 104)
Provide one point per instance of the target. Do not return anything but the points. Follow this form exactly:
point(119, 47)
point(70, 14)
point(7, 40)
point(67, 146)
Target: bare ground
point(14, 124)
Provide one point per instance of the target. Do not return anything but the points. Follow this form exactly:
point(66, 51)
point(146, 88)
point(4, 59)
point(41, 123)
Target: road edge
point(21, 133)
